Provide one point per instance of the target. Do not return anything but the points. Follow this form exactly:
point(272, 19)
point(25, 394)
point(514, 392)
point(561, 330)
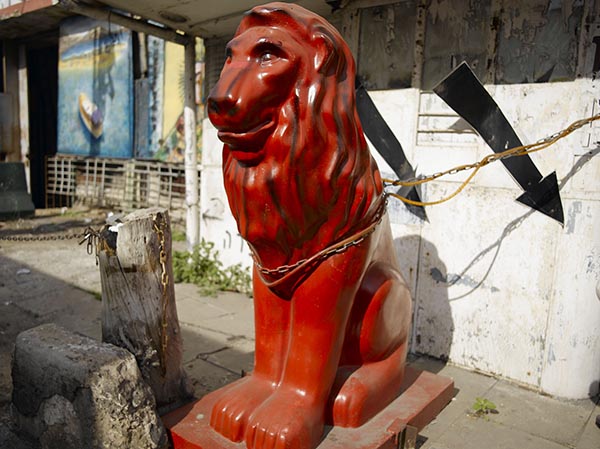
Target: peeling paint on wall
point(385, 57)
point(538, 41)
point(592, 263)
point(456, 31)
point(572, 214)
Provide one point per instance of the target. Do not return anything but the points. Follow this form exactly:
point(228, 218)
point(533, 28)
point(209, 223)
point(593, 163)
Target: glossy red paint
point(423, 396)
point(331, 333)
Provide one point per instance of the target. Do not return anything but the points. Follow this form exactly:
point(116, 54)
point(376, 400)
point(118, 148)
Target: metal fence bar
point(118, 183)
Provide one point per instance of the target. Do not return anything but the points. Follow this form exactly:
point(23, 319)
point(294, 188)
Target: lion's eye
point(267, 56)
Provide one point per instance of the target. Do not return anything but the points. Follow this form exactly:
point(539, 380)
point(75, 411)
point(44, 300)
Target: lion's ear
point(326, 56)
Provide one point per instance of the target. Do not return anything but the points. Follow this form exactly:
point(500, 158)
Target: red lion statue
point(332, 312)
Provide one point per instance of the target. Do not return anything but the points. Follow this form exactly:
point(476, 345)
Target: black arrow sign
point(463, 92)
point(385, 142)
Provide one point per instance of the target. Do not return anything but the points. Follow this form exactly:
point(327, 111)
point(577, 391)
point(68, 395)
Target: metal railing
point(123, 184)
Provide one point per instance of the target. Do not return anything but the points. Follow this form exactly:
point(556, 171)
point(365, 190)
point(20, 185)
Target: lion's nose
point(213, 106)
point(225, 104)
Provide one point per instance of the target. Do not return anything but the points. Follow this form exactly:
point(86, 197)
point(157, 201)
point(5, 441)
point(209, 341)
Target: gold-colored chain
point(159, 227)
point(476, 166)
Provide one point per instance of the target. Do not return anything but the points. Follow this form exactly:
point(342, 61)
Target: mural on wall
point(95, 89)
point(149, 95)
point(156, 72)
point(172, 142)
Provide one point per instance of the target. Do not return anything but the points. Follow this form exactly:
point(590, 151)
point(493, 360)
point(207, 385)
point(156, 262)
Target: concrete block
point(70, 391)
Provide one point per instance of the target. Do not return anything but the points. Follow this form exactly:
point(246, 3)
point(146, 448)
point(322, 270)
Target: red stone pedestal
point(424, 396)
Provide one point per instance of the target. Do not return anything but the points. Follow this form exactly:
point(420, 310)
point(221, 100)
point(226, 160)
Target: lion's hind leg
point(374, 354)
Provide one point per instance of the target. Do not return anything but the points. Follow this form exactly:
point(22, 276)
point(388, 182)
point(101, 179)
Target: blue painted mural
point(151, 107)
point(95, 89)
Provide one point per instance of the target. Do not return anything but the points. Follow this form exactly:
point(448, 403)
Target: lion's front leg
point(293, 417)
point(237, 401)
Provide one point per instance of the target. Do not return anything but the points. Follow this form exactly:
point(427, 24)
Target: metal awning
point(204, 19)
point(200, 18)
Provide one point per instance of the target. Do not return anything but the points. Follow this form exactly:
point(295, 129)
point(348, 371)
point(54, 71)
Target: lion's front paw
point(235, 404)
point(285, 421)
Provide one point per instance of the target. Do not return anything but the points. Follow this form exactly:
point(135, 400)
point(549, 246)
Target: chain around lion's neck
point(278, 274)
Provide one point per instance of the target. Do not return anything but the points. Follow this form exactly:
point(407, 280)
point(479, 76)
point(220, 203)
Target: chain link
point(41, 238)
point(511, 152)
point(336, 248)
point(159, 228)
point(89, 235)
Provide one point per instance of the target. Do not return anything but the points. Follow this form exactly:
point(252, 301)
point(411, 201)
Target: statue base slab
point(423, 397)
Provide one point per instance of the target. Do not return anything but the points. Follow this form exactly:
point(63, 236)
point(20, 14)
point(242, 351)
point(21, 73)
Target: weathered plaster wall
point(217, 224)
point(498, 287)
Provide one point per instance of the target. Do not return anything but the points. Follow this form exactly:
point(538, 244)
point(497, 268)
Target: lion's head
point(297, 169)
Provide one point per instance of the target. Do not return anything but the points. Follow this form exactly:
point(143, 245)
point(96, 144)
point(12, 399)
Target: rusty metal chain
point(159, 228)
point(40, 238)
point(336, 248)
point(89, 235)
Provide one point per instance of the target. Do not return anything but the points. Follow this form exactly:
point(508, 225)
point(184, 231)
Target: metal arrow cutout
point(386, 144)
point(463, 92)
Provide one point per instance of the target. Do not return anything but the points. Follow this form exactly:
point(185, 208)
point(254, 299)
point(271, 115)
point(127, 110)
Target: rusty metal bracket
point(408, 439)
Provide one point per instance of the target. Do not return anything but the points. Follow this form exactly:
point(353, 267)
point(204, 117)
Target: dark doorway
point(42, 72)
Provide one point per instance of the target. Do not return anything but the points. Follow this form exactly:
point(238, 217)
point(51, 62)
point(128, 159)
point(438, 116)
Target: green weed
point(203, 268)
point(483, 406)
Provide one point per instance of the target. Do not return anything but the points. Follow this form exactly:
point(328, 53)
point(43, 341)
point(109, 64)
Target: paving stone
point(185, 291)
point(468, 385)
point(197, 340)
point(14, 321)
point(561, 421)
point(198, 309)
point(83, 315)
point(233, 360)
point(207, 377)
point(19, 287)
point(477, 433)
point(235, 325)
point(55, 301)
point(590, 438)
point(226, 306)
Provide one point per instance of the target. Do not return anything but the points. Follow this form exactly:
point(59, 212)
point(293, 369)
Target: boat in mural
point(91, 116)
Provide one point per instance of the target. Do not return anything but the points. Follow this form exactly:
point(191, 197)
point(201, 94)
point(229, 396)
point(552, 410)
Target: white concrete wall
point(217, 224)
point(497, 287)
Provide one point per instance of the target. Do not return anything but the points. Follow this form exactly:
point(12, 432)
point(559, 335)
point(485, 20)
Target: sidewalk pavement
point(57, 281)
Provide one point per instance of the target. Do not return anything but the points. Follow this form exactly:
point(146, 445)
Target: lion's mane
point(327, 186)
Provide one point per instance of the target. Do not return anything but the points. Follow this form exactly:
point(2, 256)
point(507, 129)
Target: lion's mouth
point(250, 140)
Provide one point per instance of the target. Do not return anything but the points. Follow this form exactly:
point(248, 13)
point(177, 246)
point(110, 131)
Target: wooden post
point(138, 296)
